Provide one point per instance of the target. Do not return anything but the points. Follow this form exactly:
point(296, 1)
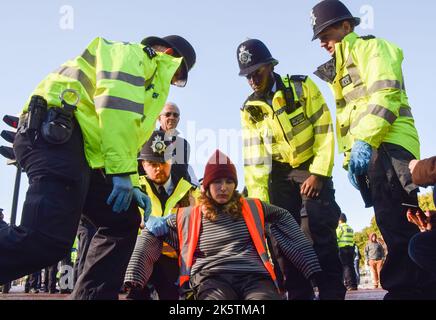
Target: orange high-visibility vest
point(188, 229)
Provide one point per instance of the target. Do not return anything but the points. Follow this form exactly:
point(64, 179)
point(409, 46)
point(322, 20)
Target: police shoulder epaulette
point(150, 52)
point(367, 37)
point(300, 78)
point(251, 97)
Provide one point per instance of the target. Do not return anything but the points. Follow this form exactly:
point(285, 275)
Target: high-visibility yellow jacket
point(175, 200)
point(371, 103)
point(122, 91)
point(344, 235)
point(290, 132)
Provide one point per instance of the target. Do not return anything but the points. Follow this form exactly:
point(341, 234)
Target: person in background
point(345, 236)
point(357, 258)
point(374, 257)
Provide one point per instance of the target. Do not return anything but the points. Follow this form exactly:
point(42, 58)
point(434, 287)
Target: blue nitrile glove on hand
point(360, 157)
point(121, 194)
point(143, 201)
point(157, 225)
point(353, 180)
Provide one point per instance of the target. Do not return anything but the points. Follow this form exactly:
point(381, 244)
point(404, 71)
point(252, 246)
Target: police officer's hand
point(143, 201)
point(360, 157)
point(122, 193)
point(311, 188)
point(157, 225)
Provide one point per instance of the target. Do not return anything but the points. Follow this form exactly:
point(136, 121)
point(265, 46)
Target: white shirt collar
point(168, 186)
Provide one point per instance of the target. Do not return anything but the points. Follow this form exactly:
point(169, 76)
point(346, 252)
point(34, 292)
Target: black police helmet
point(181, 47)
point(156, 148)
point(343, 217)
point(251, 55)
point(327, 13)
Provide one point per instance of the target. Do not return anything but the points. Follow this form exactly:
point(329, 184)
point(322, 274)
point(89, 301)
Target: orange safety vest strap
point(256, 227)
point(188, 238)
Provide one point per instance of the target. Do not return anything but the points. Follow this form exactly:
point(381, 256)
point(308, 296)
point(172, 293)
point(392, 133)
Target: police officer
point(288, 159)
point(80, 157)
point(345, 235)
point(167, 192)
point(376, 131)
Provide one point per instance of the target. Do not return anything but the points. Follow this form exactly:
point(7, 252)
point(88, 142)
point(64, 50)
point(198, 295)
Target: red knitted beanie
point(219, 166)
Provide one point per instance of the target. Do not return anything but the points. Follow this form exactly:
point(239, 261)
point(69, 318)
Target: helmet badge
point(158, 146)
point(244, 55)
point(312, 19)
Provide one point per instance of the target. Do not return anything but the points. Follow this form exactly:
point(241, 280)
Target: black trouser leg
point(323, 214)
point(111, 247)
point(164, 278)
point(285, 193)
point(58, 178)
point(52, 271)
point(400, 276)
point(346, 256)
point(85, 232)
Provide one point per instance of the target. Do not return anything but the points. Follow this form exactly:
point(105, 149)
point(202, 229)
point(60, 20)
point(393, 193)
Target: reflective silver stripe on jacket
point(121, 76)
point(110, 102)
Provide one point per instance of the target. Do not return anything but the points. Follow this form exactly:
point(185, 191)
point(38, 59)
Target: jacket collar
point(328, 70)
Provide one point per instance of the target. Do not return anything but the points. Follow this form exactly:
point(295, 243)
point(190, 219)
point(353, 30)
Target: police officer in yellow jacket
point(345, 236)
point(167, 192)
point(376, 131)
point(288, 159)
point(78, 139)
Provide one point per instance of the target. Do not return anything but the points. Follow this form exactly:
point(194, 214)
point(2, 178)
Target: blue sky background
point(35, 42)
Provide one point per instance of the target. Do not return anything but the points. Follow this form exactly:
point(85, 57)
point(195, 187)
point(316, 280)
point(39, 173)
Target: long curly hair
point(210, 207)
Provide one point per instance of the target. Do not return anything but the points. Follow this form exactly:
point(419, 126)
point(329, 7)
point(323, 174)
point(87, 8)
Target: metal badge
point(244, 55)
point(158, 146)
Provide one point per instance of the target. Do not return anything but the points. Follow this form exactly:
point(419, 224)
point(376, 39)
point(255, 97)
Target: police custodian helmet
point(327, 13)
point(252, 54)
point(182, 48)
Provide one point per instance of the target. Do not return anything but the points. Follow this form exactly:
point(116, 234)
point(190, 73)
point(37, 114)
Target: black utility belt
point(55, 124)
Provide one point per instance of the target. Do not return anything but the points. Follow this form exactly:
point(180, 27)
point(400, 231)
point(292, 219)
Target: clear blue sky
point(36, 39)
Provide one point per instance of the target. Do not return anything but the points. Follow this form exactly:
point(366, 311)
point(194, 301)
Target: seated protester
point(422, 246)
point(222, 244)
point(166, 192)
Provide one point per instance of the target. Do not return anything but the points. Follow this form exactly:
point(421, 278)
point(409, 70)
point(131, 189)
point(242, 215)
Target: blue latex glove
point(353, 180)
point(360, 157)
point(121, 194)
point(157, 225)
point(143, 201)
